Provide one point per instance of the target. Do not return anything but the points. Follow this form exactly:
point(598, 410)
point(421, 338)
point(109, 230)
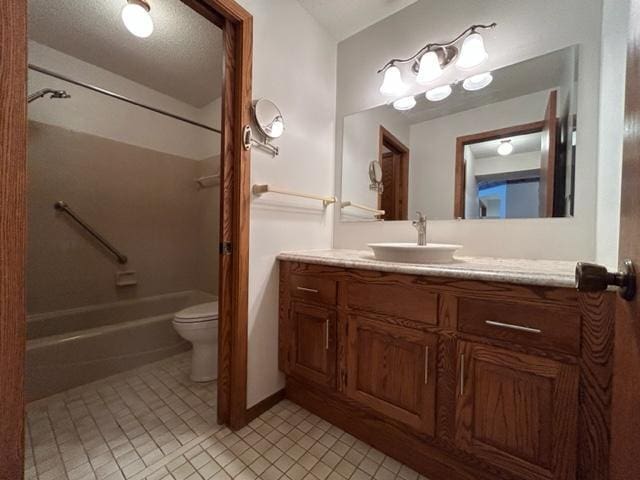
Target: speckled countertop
point(549, 273)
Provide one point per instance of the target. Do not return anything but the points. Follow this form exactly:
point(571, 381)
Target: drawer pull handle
point(513, 327)
point(305, 289)
point(326, 334)
point(426, 365)
point(462, 374)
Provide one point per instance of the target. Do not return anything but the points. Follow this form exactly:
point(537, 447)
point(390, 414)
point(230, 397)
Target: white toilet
point(199, 325)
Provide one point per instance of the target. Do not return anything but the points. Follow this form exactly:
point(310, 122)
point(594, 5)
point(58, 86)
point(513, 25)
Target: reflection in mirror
point(268, 118)
point(375, 177)
point(506, 150)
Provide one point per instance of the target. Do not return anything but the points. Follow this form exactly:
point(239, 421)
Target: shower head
point(45, 91)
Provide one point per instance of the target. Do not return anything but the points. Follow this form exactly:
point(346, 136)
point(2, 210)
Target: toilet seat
point(204, 312)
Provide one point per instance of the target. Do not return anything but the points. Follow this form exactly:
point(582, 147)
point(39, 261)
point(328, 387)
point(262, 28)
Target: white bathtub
point(73, 347)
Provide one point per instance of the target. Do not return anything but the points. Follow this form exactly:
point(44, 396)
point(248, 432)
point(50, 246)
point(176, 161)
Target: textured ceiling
point(182, 58)
point(343, 18)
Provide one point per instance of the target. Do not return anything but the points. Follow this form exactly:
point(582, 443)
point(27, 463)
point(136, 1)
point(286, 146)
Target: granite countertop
point(550, 273)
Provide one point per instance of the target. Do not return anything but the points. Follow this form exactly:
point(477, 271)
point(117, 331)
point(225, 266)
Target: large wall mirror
point(494, 146)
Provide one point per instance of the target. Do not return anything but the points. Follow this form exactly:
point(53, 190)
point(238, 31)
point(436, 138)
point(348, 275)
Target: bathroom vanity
point(480, 369)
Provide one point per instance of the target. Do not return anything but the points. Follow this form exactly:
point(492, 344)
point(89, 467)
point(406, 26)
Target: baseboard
point(264, 405)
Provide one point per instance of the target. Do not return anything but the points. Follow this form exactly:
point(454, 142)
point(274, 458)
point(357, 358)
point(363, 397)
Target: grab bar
point(375, 211)
point(63, 207)
point(259, 189)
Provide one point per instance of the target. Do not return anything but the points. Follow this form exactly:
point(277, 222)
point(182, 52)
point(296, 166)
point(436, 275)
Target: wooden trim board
point(264, 405)
point(13, 154)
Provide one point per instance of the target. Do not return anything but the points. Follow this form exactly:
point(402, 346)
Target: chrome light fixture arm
point(435, 46)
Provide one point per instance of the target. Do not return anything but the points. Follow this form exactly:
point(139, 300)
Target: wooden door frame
point(625, 419)
point(461, 142)
point(386, 137)
point(237, 26)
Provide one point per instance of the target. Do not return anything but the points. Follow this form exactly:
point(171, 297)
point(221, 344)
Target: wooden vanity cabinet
point(517, 411)
point(459, 379)
point(312, 351)
point(391, 369)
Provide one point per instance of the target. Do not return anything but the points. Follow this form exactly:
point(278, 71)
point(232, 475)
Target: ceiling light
point(438, 93)
point(136, 18)
point(505, 148)
point(472, 52)
point(393, 84)
point(429, 68)
point(405, 103)
point(477, 82)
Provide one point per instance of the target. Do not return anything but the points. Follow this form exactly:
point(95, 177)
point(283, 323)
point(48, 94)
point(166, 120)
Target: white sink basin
point(414, 253)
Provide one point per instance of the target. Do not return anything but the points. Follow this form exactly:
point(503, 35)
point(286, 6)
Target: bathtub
point(69, 348)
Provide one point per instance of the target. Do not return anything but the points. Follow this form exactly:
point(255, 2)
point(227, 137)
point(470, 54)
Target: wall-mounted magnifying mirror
point(375, 176)
point(268, 118)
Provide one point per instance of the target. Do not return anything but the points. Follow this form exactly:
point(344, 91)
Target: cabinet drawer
point(534, 325)
point(403, 301)
point(313, 289)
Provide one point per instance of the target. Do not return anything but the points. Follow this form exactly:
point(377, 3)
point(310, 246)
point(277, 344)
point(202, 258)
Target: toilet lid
point(198, 313)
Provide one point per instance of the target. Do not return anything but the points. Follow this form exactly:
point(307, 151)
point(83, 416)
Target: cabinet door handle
point(426, 365)
point(513, 327)
point(305, 289)
point(326, 334)
point(461, 374)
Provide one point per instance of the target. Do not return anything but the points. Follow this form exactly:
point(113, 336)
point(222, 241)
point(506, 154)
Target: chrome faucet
point(421, 225)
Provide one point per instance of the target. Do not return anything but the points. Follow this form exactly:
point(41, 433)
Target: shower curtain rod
point(118, 97)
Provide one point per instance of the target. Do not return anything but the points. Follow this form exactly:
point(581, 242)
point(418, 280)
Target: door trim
point(389, 140)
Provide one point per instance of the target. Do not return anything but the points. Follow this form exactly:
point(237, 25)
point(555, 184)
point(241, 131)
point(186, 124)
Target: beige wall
point(144, 201)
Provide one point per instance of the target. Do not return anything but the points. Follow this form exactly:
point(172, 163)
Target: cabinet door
point(517, 411)
point(392, 370)
point(313, 348)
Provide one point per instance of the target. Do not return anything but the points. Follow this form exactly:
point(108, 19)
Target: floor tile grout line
point(142, 391)
point(172, 456)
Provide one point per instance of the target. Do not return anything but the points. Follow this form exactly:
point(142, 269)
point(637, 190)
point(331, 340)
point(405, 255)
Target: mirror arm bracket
point(248, 141)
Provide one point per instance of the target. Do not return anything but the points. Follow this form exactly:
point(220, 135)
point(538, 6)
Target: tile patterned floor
point(152, 423)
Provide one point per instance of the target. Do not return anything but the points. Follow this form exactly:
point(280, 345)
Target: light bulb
point(472, 52)
point(429, 68)
point(477, 82)
point(405, 103)
point(135, 15)
point(505, 148)
point(276, 128)
point(438, 93)
point(392, 84)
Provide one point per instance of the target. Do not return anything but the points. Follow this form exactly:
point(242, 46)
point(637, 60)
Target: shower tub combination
point(69, 348)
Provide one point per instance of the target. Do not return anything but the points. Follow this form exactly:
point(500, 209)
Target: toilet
point(199, 325)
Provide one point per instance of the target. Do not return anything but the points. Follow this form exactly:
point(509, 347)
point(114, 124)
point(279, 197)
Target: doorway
point(236, 25)
point(394, 160)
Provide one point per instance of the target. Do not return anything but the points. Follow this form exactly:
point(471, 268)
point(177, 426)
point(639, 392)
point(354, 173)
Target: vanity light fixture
point(429, 69)
point(429, 62)
point(505, 148)
point(136, 17)
point(404, 103)
point(472, 52)
point(439, 93)
point(477, 82)
point(392, 85)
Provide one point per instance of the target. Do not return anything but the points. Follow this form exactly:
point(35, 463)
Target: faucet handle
point(421, 217)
